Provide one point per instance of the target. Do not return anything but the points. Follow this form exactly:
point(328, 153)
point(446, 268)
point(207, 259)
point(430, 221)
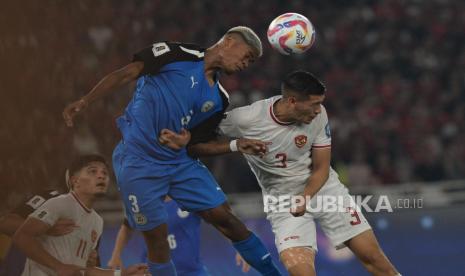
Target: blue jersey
point(171, 92)
point(184, 241)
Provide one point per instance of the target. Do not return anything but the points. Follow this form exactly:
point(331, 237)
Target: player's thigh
point(342, 221)
point(366, 247)
point(299, 261)
point(194, 188)
point(143, 187)
point(291, 232)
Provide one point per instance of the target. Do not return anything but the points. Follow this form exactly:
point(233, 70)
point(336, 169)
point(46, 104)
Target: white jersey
point(73, 248)
point(287, 165)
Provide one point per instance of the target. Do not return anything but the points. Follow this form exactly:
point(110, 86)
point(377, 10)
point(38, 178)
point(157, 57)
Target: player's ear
point(292, 99)
point(73, 180)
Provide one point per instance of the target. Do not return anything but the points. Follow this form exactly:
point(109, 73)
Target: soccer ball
point(291, 33)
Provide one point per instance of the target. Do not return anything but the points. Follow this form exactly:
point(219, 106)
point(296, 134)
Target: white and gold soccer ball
point(291, 33)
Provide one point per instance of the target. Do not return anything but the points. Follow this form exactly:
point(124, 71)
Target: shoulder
point(249, 113)
point(63, 200)
point(177, 51)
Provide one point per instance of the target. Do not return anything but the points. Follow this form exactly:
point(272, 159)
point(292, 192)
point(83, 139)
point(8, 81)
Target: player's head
point(238, 48)
point(303, 93)
point(88, 174)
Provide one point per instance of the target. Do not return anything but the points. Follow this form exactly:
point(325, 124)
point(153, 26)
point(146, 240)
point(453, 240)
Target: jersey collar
point(274, 116)
point(80, 203)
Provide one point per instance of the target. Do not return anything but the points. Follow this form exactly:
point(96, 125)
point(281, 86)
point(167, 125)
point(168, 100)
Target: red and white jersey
point(287, 165)
point(73, 248)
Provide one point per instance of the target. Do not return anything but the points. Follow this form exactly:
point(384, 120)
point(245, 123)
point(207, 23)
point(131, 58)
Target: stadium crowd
point(394, 71)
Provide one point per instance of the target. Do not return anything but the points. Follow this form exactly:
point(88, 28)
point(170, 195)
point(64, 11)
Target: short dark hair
point(303, 83)
point(82, 161)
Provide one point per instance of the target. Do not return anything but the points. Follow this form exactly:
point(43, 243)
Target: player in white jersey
point(296, 129)
point(68, 254)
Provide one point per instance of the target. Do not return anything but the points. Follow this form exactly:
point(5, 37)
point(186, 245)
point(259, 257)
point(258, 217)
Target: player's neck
point(281, 112)
point(211, 64)
point(85, 199)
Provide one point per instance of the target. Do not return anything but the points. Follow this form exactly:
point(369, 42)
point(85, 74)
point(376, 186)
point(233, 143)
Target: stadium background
point(395, 73)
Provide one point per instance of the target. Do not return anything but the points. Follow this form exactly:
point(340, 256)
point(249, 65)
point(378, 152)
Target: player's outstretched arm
point(108, 84)
point(217, 147)
point(121, 241)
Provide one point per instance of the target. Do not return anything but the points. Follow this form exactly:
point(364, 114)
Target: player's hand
point(92, 259)
point(174, 140)
point(69, 270)
point(241, 262)
point(300, 208)
point(136, 270)
point(62, 227)
point(72, 110)
point(252, 146)
point(115, 262)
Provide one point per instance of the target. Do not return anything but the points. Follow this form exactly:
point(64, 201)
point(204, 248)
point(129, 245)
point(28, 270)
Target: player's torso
point(178, 97)
point(75, 247)
point(289, 146)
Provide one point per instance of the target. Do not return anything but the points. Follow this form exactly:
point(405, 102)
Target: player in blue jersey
point(183, 240)
point(178, 88)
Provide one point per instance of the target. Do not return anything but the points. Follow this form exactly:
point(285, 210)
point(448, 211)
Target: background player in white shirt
point(295, 127)
point(68, 254)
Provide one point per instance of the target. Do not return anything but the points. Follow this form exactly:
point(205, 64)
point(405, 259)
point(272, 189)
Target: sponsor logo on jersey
point(300, 141)
point(207, 106)
point(93, 236)
point(193, 82)
point(140, 219)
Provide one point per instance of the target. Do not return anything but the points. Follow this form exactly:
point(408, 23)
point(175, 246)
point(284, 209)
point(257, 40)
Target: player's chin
point(100, 193)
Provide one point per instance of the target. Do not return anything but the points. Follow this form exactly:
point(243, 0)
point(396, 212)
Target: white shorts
point(338, 225)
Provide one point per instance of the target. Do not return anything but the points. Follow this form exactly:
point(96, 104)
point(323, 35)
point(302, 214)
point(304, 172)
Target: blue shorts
point(143, 186)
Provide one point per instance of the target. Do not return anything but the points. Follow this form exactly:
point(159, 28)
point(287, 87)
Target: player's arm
point(104, 87)
point(122, 238)
point(206, 141)
point(321, 158)
point(224, 145)
point(26, 238)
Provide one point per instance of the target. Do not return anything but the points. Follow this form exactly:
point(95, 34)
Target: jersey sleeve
point(32, 203)
point(323, 138)
point(159, 54)
point(51, 210)
point(235, 120)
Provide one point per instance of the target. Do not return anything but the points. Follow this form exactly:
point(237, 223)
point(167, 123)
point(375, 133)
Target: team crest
point(207, 106)
point(93, 236)
point(140, 219)
point(300, 141)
